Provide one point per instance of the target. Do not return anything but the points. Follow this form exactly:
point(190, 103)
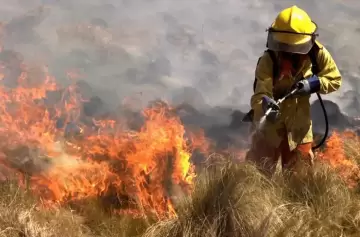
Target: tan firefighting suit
point(292, 131)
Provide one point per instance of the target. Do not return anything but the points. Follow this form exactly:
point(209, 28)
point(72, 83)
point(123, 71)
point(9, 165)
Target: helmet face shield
point(290, 42)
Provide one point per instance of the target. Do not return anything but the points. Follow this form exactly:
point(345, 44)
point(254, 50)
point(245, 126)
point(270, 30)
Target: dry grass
point(20, 217)
point(229, 200)
point(238, 201)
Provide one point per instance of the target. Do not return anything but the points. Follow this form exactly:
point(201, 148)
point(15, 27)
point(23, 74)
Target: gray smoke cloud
point(203, 52)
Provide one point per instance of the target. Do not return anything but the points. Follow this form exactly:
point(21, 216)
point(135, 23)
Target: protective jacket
point(295, 119)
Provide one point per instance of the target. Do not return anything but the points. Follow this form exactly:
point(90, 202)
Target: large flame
point(141, 166)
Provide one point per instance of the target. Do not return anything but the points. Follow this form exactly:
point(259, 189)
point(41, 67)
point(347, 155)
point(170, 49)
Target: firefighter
point(288, 132)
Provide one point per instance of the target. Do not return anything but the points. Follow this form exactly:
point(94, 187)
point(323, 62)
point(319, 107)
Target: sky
point(155, 48)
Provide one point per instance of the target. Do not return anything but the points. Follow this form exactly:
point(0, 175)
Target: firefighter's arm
point(264, 85)
point(328, 78)
point(329, 74)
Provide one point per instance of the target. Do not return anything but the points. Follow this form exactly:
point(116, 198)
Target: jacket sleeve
point(329, 74)
point(264, 85)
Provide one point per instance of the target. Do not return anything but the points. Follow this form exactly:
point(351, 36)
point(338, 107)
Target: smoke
point(203, 52)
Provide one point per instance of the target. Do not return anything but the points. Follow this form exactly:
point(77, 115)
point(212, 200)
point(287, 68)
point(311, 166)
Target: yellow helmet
point(292, 31)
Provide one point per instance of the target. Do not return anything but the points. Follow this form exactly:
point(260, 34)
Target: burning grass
point(64, 176)
point(228, 200)
point(78, 161)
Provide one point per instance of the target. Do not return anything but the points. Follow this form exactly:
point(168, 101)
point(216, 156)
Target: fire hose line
point(326, 124)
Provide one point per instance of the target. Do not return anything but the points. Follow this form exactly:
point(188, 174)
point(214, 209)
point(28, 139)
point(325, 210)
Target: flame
point(138, 166)
point(336, 154)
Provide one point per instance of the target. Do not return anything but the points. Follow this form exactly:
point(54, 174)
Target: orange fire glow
point(335, 154)
point(142, 166)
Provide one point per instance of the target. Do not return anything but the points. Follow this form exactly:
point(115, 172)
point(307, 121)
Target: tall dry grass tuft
point(105, 223)
point(236, 200)
point(319, 204)
point(230, 200)
point(20, 217)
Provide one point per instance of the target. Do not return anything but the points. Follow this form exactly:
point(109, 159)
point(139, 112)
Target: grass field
point(228, 200)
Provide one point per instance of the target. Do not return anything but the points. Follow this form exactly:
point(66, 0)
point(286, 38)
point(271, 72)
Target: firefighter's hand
point(308, 86)
point(273, 116)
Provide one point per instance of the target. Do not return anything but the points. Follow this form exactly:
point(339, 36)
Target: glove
point(267, 103)
point(308, 86)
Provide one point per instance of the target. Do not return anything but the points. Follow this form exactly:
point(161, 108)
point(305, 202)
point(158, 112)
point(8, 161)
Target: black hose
point(326, 124)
